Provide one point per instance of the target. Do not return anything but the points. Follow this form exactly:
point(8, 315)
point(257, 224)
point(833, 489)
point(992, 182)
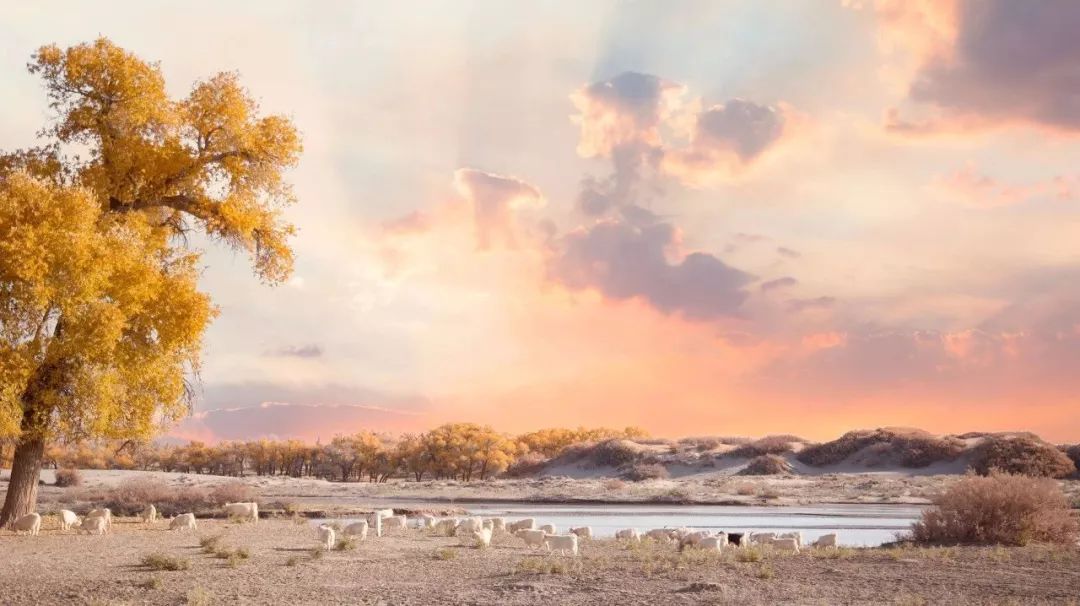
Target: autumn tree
point(101, 319)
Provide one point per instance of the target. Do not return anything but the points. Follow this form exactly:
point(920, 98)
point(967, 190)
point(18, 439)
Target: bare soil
point(411, 567)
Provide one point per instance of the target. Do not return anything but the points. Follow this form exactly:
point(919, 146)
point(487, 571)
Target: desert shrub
point(445, 553)
point(998, 509)
point(646, 471)
point(161, 561)
point(745, 489)
point(765, 446)
point(1021, 455)
point(197, 596)
point(68, 477)
point(346, 544)
point(614, 484)
point(1073, 452)
point(615, 453)
point(766, 465)
point(908, 447)
point(131, 496)
point(526, 465)
point(231, 492)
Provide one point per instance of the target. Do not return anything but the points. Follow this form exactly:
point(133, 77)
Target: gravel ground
point(410, 567)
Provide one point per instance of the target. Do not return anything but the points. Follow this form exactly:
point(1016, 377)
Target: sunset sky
point(736, 218)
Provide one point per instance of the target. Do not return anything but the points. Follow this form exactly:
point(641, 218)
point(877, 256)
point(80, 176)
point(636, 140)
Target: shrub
point(161, 561)
point(527, 465)
point(646, 471)
point(131, 496)
point(765, 446)
point(908, 447)
point(68, 477)
point(1073, 452)
point(197, 596)
point(231, 492)
point(614, 484)
point(1021, 455)
point(345, 544)
point(615, 453)
point(998, 509)
point(445, 554)
point(766, 465)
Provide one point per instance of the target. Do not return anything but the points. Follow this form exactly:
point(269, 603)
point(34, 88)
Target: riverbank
point(415, 568)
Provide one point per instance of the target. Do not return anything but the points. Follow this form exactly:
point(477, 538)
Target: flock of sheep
point(99, 521)
point(480, 530)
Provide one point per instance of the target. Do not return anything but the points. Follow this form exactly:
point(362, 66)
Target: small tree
point(101, 319)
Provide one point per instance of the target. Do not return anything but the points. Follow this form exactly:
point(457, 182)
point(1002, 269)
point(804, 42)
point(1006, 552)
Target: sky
point(702, 218)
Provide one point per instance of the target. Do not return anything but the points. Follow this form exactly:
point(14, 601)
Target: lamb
point(532, 538)
point(102, 512)
point(562, 543)
point(525, 524)
point(243, 511)
point(445, 527)
point(628, 534)
point(761, 538)
point(395, 522)
point(184, 521)
point(94, 525)
point(326, 537)
point(67, 519)
point(785, 544)
point(375, 522)
point(489, 524)
point(468, 526)
point(149, 514)
point(548, 528)
point(356, 529)
point(29, 523)
point(826, 540)
point(483, 537)
point(584, 532)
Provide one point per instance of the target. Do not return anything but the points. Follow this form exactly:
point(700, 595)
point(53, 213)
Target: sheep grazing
point(67, 519)
point(468, 526)
point(483, 537)
point(498, 524)
point(383, 513)
point(93, 525)
point(628, 534)
point(149, 514)
point(326, 537)
point(761, 538)
point(525, 524)
point(395, 522)
point(691, 539)
point(713, 543)
point(735, 538)
point(425, 521)
point(356, 529)
point(563, 543)
point(445, 527)
point(29, 523)
point(532, 538)
point(548, 528)
point(102, 512)
point(184, 521)
point(584, 532)
point(660, 534)
point(826, 540)
point(785, 544)
point(792, 535)
point(375, 521)
point(243, 511)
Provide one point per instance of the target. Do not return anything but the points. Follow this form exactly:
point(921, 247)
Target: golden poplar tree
point(101, 318)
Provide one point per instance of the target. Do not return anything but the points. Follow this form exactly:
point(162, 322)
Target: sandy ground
point(340, 498)
point(410, 567)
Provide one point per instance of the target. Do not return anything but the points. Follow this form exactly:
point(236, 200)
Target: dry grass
point(161, 561)
point(998, 509)
point(346, 544)
point(774, 445)
point(646, 471)
point(1021, 455)
point(131, 496)
point(907, 447)
point(66, 478)
point(766, 465)
point(445, 554)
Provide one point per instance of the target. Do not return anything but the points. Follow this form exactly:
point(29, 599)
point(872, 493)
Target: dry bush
point(68, 477)
point(998, 509)
point(615, 453)
point(161, 561)
point(131, 496)
point(1021, 455)
point(646, 471)
point(908, 447)
point(766, 465)
point(231, 492)
point(745, 489)
point(614, 484)
point(765, 446)
point(1073, 452)
point(527, 465)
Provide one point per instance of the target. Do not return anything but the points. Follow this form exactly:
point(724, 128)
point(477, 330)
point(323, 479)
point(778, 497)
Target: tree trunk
point(22, 488)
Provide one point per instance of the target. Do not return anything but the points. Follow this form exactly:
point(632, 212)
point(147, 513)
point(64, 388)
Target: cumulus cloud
point(981, 62)
point(627, 110)
point(624, 261)
point(494, 198)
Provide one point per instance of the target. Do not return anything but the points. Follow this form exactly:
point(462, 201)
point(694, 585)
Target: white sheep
point(628, 534)
point(660, 534)
point(356, 529)
point(375, 521)
point(524, 524)
point(149, 513)
point(761, 538)
point(483, 537)
point(68, 519)
point(184, 521)
point(383, 513)
point(785, 544)
point(395, 522)
point(548, 528)
point(29, 523)
point(691, 539)
point(94, 525)
point(532, 538)
point(102, 512)
point(468, 526)
point(792, 535)
point(498, 524)
point(326, 536)
point(445, 527)
point(243, 511)
point(425, 521)
point(562, 543)
point(584, 532)
point(713, 543)
point(826, 540)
